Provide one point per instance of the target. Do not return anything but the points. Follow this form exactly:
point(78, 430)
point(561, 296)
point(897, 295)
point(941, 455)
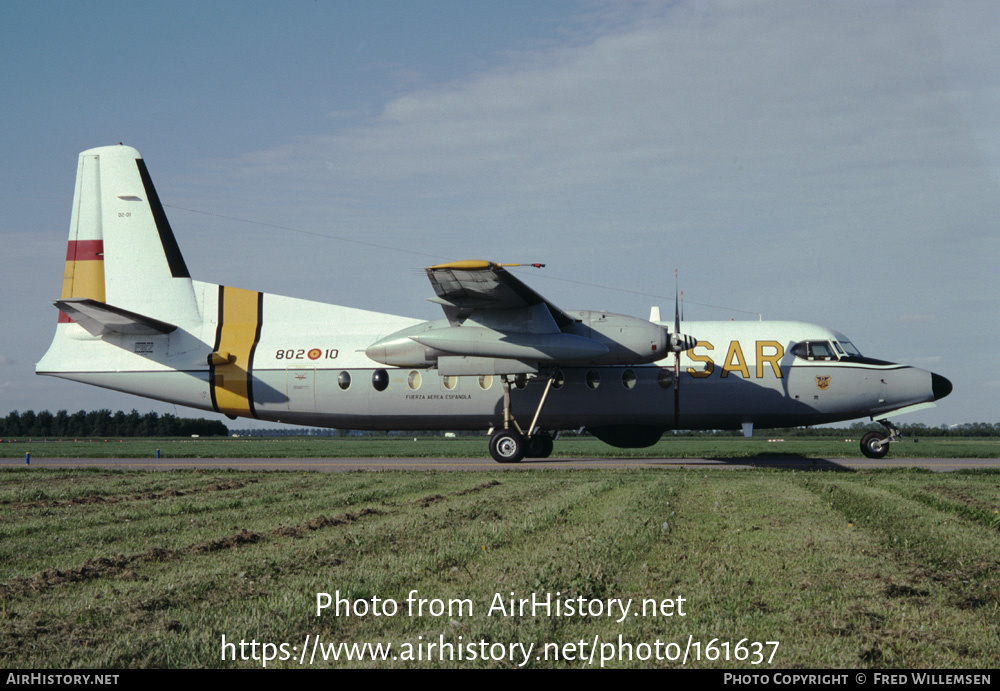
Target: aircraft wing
point(464, 286)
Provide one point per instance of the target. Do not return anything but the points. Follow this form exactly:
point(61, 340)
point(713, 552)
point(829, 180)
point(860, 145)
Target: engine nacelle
point(630, 340)
point(596, 338)
point(400, 350)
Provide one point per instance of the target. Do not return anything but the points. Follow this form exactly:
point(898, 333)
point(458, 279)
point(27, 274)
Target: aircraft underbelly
point(181, 388)
point(422, 399)
point(315, 397)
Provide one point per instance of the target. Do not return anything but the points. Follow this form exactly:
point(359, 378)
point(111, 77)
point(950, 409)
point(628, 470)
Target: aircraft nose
point(940, 386)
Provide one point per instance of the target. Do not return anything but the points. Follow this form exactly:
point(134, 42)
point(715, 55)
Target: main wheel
point(539, 446)
point(507, 446)
point(873, 445)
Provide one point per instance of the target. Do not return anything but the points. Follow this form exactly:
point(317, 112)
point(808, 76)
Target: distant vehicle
point(503, 359)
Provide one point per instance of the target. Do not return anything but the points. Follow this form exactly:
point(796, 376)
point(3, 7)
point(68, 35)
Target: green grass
point(566, 447)
point(893, 569)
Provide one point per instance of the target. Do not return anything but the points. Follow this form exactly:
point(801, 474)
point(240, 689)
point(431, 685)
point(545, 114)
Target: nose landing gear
point(876, 444)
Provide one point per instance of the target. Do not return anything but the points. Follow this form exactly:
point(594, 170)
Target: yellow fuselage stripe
point(239, 329)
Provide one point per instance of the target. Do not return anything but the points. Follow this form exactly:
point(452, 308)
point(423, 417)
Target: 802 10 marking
point(304, 354)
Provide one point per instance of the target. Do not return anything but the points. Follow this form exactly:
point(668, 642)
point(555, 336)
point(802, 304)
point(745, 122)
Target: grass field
point(566, 447)
point(859, 570)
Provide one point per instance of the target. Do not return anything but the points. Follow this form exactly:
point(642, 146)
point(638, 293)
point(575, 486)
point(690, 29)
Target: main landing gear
point(876, 444)
point(511, 444)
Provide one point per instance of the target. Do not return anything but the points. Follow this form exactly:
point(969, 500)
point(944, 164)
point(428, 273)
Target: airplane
point(503, 359)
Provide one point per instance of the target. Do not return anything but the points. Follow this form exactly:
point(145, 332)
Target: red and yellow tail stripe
point(231, 362)
point(84, 274)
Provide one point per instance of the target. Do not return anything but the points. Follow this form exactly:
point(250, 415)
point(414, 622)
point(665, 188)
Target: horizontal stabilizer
point(99, 318)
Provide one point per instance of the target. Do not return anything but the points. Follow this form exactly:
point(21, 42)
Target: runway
point(332, 465)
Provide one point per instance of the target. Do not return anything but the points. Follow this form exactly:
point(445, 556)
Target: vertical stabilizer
point(119, 224)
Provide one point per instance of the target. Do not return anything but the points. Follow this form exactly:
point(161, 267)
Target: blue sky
point(828, 162)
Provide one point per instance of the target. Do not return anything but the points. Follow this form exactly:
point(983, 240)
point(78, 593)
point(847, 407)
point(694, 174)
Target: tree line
point(858, 429)
point(104, 423)
point(967, 429)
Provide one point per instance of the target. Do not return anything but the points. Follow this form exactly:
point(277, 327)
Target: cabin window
point(665, 378)
point(593, 378)
point(628, 379)
point(413, 380)
point(485, 381)
point(380, 380)
point(344, 380)
point(449, 382)
point(558, 379)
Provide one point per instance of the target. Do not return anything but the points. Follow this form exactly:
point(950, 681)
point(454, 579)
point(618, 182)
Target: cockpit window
point(851, 350)
point(821, 351)
point(838, 349)
point(814, 350)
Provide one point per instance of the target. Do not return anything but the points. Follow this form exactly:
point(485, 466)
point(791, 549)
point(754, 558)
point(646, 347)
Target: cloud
point(706, 118)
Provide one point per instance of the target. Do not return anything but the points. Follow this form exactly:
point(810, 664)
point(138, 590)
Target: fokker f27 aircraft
point(503, 358)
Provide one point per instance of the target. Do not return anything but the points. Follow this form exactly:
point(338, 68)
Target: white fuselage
point(308, 366)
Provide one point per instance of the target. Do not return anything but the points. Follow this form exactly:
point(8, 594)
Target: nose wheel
point(874, 445)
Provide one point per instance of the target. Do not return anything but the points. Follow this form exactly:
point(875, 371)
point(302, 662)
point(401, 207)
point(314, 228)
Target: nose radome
point(940, 386)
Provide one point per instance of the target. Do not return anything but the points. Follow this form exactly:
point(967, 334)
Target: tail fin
point(121, 248)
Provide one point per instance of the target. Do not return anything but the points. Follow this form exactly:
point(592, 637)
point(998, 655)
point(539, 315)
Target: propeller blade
point(677, 307)
point(678, 344)
point(678, 341)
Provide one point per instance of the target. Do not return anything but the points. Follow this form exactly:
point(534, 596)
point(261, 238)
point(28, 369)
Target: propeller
point(678, 341)
point(678, 344)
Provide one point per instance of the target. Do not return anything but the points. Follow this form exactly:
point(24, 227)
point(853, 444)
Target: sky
point(829, 162)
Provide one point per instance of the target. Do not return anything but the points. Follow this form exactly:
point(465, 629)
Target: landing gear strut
point(511, 445)
point(876, 444)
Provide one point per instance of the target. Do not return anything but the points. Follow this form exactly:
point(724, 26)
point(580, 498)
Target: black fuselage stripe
point(253, 351)
point(215, 349)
